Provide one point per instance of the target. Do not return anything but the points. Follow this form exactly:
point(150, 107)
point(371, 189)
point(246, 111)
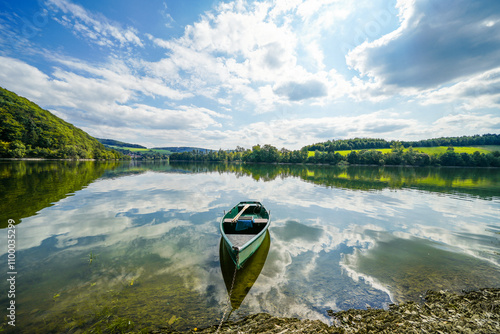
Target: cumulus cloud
point(436, 43)
point(296, 91)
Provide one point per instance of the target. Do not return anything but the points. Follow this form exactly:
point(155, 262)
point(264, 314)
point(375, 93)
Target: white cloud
point(104, 98)
point(22, 78)
point(474, 123)
point(144, 117)
point(476, 92)
point(316, 53)
point(119, 73)
point(296, 91)
point(240, 50)
point(94, 27)
point(64, 89)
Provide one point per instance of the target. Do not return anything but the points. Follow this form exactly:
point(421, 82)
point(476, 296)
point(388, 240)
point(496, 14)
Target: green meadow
point(132, 149)
point(433, 150)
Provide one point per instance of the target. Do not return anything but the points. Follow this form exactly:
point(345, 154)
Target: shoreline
point(322, 164)
point(475, 311)
point(249, 163)
point(47, 159)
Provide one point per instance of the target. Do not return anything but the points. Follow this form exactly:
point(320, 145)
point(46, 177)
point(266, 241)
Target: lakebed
point(439, 312)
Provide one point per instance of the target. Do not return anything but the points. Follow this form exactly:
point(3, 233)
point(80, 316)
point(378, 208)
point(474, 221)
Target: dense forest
point(143, 154)
point(398, 155)
point(26, 130)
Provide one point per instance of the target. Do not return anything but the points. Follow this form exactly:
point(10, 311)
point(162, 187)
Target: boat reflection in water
point(246, 276)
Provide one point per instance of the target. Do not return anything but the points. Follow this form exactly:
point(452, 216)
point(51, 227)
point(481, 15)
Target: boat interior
point(240, 237)
point(243, 226)
point(243, 222)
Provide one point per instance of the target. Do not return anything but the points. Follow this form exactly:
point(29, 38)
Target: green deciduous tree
point(17, 149)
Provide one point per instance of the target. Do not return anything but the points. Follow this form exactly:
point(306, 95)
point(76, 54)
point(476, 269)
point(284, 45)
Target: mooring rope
point(229, 297)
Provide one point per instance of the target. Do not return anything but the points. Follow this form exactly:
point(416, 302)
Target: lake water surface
point(128, 246)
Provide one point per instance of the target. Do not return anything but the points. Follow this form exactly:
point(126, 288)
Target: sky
point(221, 74)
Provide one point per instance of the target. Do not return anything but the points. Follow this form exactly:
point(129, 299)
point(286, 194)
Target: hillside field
point(433, 150)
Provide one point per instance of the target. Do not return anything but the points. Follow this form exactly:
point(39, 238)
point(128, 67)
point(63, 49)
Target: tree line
point(397, 156)
point(144, 155)
point(370, 143)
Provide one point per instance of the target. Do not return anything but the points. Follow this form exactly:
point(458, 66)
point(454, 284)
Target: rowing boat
point(243, 229)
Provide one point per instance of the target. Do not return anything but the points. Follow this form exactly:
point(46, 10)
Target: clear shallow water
point(133, 246)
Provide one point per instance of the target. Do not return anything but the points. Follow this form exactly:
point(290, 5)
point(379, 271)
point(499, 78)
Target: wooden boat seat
point(239, 240)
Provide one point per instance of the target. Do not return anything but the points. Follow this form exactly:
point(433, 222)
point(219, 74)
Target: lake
point(119, 246)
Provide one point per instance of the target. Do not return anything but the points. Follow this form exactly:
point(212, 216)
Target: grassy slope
point(434, 150)
point(135, 149)
point(132, 149)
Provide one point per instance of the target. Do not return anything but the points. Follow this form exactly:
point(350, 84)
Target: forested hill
point(370, 143)
point(26, 130)
point(117, 143)
point(176, 149)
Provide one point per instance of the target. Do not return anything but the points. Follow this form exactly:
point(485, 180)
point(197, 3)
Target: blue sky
point(218, 74)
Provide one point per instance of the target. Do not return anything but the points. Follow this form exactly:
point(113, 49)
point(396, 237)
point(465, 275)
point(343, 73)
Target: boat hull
point(240, 256)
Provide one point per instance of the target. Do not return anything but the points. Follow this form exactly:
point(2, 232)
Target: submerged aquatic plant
point(92, 257)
